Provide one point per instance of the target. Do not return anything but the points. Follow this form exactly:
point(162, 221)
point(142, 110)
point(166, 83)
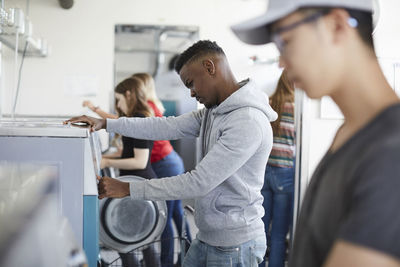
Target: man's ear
point(209, 65)
point(339, 24)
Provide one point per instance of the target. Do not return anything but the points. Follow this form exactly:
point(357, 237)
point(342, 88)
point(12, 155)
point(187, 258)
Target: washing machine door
point(127, 224)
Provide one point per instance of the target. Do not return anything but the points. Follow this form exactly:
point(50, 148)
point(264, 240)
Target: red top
point(160, 148)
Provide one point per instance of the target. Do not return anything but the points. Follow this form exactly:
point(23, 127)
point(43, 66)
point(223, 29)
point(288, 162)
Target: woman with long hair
point(130, 101)
point(151, 94)
point(166, 163)
point(279, 174)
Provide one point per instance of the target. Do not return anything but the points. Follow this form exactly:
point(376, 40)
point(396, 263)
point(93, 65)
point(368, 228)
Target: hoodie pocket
point(233, 210)
point(208, 217)
point(220, 211)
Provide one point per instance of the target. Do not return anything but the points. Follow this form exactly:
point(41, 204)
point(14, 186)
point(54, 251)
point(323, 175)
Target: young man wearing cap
point(236, 139)
point(349, 216)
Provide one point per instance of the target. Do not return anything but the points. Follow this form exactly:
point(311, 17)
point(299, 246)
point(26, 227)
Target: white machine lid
point(48, 128)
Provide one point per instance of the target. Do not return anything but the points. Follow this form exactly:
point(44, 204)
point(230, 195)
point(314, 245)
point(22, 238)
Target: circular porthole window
point(126, 224)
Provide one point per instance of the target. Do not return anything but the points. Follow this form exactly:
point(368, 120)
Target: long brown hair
point(138, 103)
point(284, 93)
point(150, 89)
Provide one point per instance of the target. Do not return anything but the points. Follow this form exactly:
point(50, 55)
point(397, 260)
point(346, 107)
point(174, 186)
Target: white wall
point(82, 45)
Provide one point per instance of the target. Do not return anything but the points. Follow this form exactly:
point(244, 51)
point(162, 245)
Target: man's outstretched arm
point(158, 128)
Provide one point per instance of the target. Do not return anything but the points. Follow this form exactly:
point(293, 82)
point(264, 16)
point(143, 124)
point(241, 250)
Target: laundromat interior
point(56, 55)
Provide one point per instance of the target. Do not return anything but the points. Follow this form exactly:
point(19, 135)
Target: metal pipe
point(159, 57)
point(1, 64)
point(27, 8)
point(1, 80)
point(19, 79)
point(15, 72)
point(302, 153)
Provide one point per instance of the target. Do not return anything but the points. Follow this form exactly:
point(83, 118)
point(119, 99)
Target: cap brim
point(256, 31)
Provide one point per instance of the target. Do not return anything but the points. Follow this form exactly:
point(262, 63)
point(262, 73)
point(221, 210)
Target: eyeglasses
point(280, 44)
point(276, 38)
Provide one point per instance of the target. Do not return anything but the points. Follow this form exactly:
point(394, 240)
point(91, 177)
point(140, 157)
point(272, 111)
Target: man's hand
point(95, 124)
point(113, 188)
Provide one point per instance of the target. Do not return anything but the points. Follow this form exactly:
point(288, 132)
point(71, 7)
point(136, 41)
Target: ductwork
point(66, 4)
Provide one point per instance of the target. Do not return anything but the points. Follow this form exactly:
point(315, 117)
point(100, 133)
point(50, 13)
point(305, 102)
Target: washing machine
point(32, 232)
point(127, 224)
point(76, 153)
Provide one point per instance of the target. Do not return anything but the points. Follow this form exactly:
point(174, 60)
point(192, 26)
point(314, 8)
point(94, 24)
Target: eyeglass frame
point(277, 40)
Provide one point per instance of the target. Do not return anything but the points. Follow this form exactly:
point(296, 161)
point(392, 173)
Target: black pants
point(150, 256)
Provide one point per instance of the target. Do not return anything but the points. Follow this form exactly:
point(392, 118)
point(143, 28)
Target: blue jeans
point(248, 254)
point(278, 205)
point(170, 165)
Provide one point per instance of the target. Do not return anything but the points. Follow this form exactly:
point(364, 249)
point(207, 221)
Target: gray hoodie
point(236, 139)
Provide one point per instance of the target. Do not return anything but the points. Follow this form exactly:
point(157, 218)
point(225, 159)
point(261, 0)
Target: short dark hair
point(172, 62)
point(364, 19)
point(198, 49)
point(365, 25)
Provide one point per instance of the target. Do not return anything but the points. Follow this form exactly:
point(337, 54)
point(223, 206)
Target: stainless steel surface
point(302, 152)
point(29, 219)
point(40, 127)
point(21, 188)
point(45, 140)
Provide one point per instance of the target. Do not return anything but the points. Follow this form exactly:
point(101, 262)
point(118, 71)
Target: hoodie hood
point(247, 96)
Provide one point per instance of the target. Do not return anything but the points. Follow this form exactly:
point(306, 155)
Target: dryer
point(127, 224)
point(76, 153)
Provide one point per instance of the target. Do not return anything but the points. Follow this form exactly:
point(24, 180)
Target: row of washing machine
point(119, 224)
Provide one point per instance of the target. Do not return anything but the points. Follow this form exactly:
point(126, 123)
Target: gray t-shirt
point(354, 195)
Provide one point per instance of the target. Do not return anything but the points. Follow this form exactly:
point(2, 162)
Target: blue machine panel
point(91, 228)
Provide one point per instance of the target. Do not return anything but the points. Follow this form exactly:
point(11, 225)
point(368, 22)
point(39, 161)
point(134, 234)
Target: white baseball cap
point(255, 31)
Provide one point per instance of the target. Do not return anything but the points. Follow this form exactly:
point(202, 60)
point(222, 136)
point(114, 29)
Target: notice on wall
point(81, 85)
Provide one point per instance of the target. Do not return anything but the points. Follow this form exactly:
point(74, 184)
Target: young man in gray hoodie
point(236, 139)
